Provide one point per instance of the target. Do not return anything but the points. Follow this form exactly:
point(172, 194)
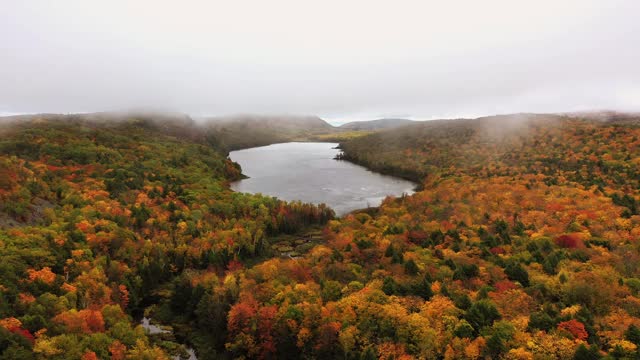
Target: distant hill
point(610, 116)
point(286, 122)
point(376, 124)
point(244, 131)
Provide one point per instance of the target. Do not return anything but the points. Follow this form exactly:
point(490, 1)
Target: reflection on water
point(308, 172)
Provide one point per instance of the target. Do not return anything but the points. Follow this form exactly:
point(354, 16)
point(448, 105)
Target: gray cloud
point(340, 60)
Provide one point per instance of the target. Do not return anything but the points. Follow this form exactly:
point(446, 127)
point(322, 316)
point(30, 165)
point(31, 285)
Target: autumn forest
point(522, 242)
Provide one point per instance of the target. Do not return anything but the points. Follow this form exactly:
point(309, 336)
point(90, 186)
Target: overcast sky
point(340, 59)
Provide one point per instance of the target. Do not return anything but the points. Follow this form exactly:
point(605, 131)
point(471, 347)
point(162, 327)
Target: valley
point(521, 243)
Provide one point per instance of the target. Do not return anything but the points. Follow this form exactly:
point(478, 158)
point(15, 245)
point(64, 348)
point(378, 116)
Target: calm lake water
point(307, 172)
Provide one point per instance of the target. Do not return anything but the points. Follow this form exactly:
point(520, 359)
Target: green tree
point(587, 353)
point(482, 313)
point(410, 268)
point(517, 273)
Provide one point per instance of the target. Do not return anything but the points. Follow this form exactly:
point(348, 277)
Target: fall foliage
point(522, 243)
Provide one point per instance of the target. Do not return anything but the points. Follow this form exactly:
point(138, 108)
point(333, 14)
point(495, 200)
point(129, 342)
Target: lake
point(307, 172)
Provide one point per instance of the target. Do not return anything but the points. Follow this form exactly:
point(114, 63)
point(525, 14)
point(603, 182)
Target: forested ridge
point(522, 244)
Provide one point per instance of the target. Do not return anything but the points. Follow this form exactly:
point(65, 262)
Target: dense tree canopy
point(97, 221)
point(522, 244)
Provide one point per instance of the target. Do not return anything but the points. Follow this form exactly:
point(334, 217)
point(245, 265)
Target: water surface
point(152, 329)
point(308, 172)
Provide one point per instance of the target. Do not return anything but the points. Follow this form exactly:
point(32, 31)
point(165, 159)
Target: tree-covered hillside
point(522, 244)
point(97, 218)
